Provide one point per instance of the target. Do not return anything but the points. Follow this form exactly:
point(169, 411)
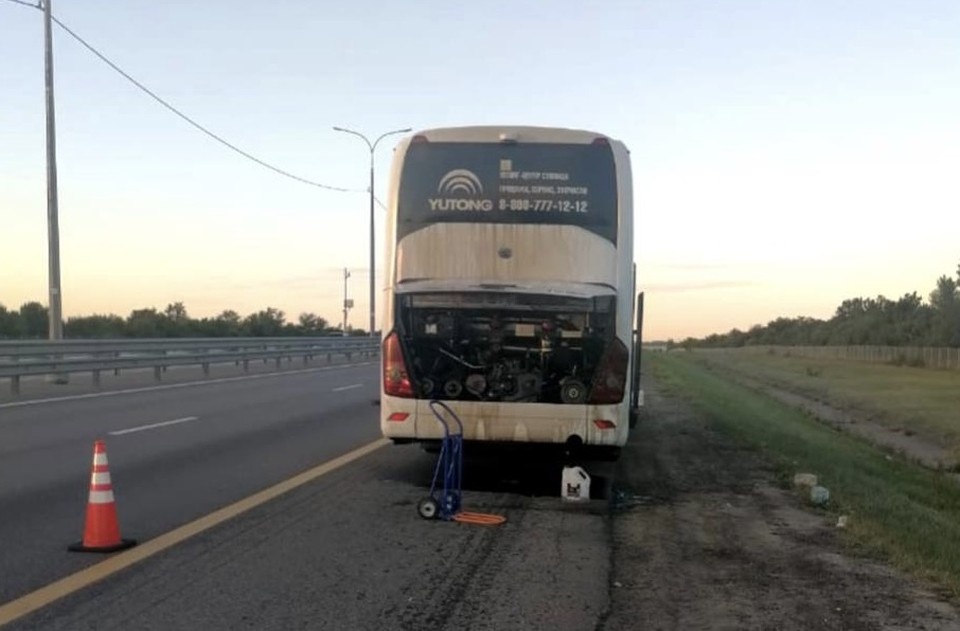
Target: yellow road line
point(54, 591)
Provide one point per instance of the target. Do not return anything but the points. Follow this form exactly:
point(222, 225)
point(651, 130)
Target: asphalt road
point(348, 551)
point(246, 433)
point(345, 551)
point(698, 534)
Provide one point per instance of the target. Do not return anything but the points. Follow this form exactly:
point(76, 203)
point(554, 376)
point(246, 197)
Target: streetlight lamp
point(372, 146)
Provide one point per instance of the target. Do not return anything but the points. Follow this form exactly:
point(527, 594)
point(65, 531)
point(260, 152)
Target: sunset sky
point(786, 155)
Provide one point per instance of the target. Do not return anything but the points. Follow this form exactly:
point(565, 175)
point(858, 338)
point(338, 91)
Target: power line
point(191, 121)
point(195, 124)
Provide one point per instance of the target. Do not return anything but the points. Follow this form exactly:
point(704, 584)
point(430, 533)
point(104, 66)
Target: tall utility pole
point(372, 146)
point(347, 303)
point(53, 228)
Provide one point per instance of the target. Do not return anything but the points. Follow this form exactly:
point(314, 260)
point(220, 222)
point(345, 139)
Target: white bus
point(510, 289)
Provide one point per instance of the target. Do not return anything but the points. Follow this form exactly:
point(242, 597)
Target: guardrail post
point(156, 372)
point(246, 365)
point(15, 384)
point(304, 360)
point(96, 378)
point(329, 357)
point(279, 359)
point(206, 370)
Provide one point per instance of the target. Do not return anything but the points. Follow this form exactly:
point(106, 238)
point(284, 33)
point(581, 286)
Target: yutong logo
point(460, 181)
point(459, 186)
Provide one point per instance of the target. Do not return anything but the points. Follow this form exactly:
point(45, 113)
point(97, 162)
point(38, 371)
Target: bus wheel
point(428, 508)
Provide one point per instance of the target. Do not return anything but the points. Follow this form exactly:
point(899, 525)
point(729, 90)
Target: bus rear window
point(522, 183)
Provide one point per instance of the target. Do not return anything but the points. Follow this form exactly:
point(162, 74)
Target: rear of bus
point(509, 287)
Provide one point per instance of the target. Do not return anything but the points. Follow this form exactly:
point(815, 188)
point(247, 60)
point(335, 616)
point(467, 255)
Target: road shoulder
point(703, 538)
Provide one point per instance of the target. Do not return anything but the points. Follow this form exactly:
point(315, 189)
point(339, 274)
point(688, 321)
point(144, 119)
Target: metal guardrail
point(23, 358)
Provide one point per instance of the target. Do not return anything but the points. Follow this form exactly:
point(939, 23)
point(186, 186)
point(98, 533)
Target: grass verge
point(898, 511)
point(921, 400)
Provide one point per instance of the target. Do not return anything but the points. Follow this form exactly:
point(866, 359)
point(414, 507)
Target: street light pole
point(53, 228)
point(372, 147)
point(373, 273)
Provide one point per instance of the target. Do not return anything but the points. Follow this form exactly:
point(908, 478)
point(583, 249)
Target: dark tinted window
point(530, 183)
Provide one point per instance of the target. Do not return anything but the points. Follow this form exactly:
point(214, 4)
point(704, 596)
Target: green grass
point(922, 400)
point(897, 510)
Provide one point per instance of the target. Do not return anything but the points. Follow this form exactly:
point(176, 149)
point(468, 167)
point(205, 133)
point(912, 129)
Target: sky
point(786, 155)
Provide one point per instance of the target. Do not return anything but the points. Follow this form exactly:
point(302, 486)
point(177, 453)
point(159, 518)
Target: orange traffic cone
point(101, 531)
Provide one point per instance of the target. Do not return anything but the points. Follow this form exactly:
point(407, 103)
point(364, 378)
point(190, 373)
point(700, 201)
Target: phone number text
point(544, 205)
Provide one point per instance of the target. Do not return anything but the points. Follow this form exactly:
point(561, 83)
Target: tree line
point(31, 321)
point(908, 321)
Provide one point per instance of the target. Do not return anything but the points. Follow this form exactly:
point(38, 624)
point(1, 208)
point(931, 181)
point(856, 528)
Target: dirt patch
point(703, 539)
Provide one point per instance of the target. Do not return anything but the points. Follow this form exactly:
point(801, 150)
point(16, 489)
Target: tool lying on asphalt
point(445, 503)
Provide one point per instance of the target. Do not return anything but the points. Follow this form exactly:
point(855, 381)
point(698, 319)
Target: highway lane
point(245, 434)
point(348, 551)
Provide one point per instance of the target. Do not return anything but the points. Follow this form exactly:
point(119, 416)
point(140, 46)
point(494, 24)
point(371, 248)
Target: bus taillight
point(396, 379)
point(610, 378)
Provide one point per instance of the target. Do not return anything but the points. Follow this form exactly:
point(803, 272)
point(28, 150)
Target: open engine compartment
point(505, 346)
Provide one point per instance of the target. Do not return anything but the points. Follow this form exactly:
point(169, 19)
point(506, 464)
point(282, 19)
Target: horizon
point(337, 324)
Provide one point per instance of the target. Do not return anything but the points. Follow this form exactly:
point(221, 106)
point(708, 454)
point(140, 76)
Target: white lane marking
point(171, 386)
point(351, 387)
point(176, 421)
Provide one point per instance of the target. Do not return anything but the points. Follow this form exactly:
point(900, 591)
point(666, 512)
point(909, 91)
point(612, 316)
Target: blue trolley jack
point(445, 501)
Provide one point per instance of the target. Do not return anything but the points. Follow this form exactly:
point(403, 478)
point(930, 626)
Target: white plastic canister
point(575, 484)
